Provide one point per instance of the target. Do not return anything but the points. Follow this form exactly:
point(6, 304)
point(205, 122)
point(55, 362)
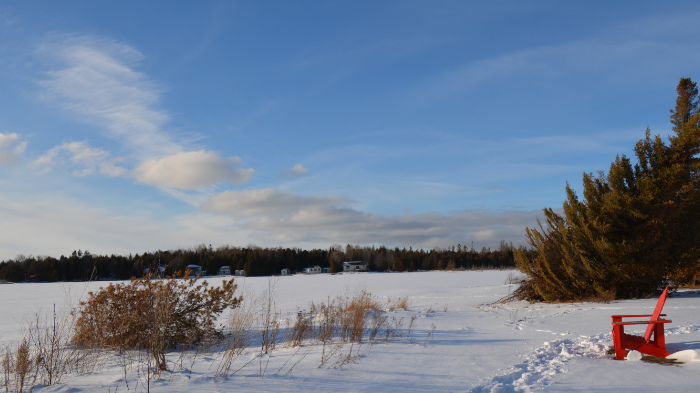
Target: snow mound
point(687, 356)
point(634, 356)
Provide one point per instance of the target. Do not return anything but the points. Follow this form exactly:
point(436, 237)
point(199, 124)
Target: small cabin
point(225, 271)
point(196, 270)
point(160, 270)
point(313, 270)
point(240, 272)
point(355, 266)
point(285, 272)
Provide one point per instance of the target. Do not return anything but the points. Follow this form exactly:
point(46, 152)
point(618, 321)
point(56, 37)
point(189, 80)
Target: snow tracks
point(545, 362)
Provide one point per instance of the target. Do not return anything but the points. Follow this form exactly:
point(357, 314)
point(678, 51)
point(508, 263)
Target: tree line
point(255, 261)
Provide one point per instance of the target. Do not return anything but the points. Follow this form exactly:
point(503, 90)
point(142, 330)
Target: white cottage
point(196, 270)
point(313, 270)
point(355, 266)
point(225, 271)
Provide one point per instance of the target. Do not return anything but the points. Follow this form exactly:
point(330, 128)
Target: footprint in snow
point(544, 363)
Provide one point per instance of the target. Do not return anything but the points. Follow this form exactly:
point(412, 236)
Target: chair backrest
point(657, 313)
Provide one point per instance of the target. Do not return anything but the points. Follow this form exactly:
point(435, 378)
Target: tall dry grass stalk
point(400, 304)
point(345, 319)
point(19, 369)
point(45, 354)
point(239, 336)
point(255, 320)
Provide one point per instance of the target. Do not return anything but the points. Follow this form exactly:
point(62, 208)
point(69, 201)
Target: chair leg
point(659, 336)
point(618, 335)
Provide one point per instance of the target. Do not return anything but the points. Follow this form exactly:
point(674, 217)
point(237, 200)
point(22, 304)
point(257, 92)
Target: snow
point(461, 341)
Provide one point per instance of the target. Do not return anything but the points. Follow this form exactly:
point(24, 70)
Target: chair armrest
point(658, 321)
point(636, 316)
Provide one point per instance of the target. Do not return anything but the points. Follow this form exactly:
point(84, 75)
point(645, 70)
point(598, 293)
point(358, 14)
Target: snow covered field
point(459, 342)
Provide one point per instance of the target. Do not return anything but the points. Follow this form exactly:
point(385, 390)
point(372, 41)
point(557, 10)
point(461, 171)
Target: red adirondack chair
point(647, 345)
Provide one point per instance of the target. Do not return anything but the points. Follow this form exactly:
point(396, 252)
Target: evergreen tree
point(636, 227)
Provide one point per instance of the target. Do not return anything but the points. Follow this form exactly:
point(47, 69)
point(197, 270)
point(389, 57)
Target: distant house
point(161, 271)
point(196, 270)
point(240, 272)
point(326, 270)
point(313, 270)
point(285, 272)
point(225, 271)
point(355, 266)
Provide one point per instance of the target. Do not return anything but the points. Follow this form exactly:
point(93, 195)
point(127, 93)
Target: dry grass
point(346, 319)
point(399, 304)
point(45, 355)
point(239, 336)
point(342, 330)
point(19, 369)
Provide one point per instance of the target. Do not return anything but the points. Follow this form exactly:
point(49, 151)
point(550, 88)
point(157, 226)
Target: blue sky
point(131, 126)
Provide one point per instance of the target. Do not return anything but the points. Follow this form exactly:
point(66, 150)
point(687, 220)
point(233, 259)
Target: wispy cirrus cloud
point(95, 80)
point(280, 217)
point(620, 54)
point(11, 148)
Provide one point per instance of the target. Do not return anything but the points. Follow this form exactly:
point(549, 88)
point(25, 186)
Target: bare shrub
point(514, 278)
point(152, 314)
point(49, 337)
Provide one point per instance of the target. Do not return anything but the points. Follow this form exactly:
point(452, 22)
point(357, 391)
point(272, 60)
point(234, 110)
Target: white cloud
point(268, 202)
point(7, 139)
point(294, 172)
point(54, 225)
point(83, 159)
point(191, 170)
point(277, 217)
point(10, 155)
point(263, 217)
point(97, 83)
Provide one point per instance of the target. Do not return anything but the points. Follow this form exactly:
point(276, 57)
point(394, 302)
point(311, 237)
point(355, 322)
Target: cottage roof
point(355, 263)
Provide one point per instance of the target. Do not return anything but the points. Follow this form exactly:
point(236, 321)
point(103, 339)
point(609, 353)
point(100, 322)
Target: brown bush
point(152, 314)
